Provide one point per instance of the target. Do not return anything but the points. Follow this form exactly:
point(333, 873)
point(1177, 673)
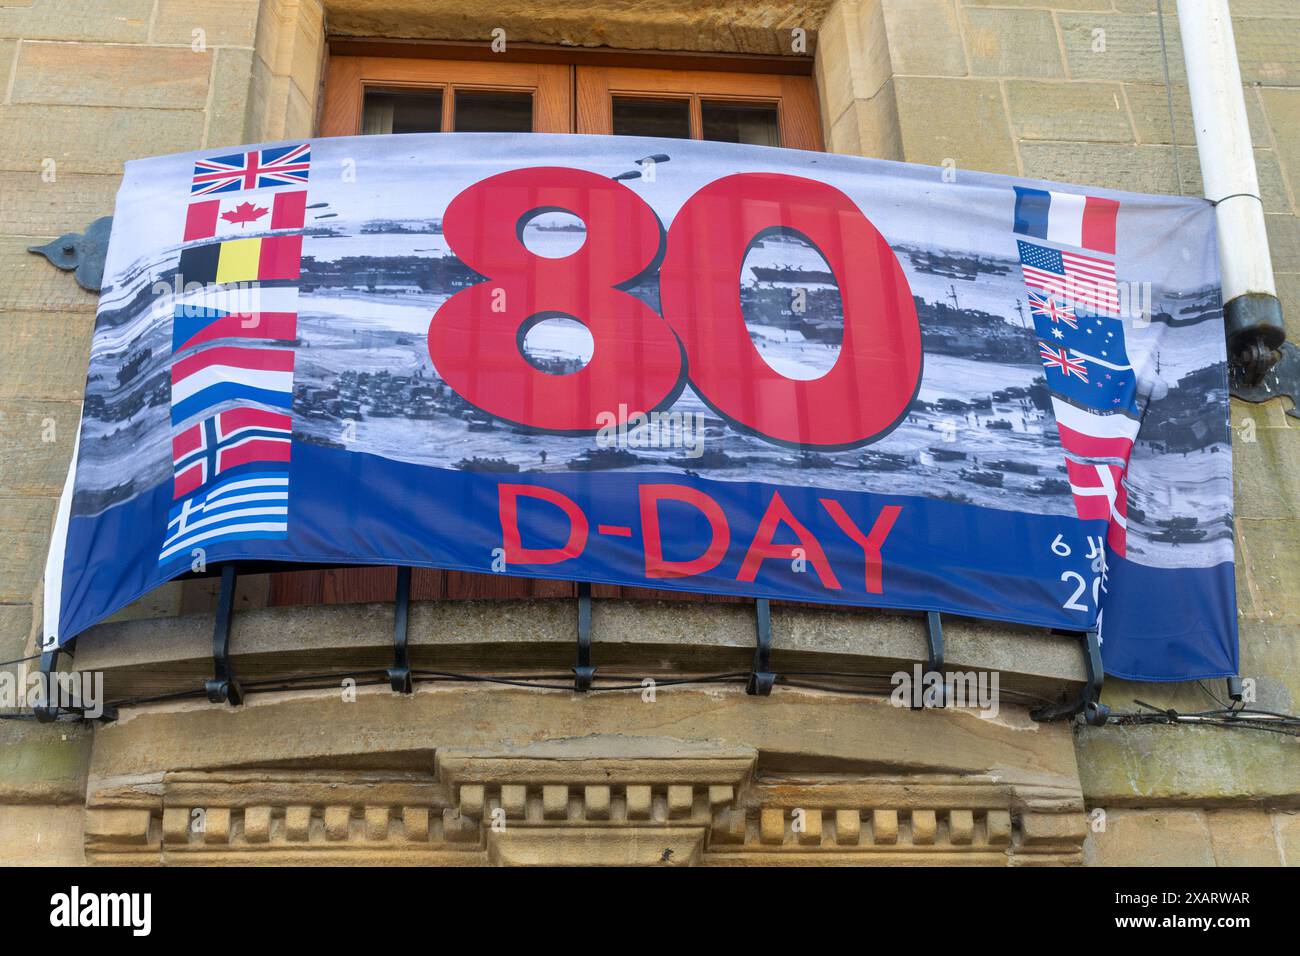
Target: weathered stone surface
point(1012, 43)
point(43, 763)
point(1267, 51)
point(1282, 115)
point(924, 37)
point(1187, 766)
point(1141, 168)
point(30, 206)
point(852, 58)
point(1127, 48)
point(1265, 570)
point(1149, 104)
point(884, 826)
point(92, 139)
point(36, 440)
point(1083, 112)
point(118, 826)
point(42, 835)
point(1286, 824)
point(936, 115)
point(257, 824)
point(1242, 838)
point(15, 631)
point(848, 827)
point(1284, 242)
point(44, 355)
point(869, 127)
point(223, 22)
point(1264, 483)
point(1150, 838)
point(231, 109)
point(25, 525)
point(924, 824)
point(121, 21)
point(32, 284)
point(97, 74)
point(730, 26)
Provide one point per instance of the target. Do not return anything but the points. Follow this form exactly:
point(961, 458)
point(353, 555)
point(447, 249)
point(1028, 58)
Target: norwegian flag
point(255, 169)
point(1099, 494)
point(1061, 361)
point(1046, 307)
point(238, 436)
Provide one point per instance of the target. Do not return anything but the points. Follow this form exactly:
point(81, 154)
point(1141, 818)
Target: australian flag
point(1086, 362)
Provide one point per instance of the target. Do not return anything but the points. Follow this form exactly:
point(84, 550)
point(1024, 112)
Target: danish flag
point(1099, 494)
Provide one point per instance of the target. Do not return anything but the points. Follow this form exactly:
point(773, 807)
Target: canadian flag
point(248, 213)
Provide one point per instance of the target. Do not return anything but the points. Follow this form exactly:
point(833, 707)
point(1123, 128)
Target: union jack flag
point(1060, 359)
point(1046, 307)
point(255, 169)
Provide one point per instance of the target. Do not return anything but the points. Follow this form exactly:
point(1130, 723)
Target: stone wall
point(1018, 86)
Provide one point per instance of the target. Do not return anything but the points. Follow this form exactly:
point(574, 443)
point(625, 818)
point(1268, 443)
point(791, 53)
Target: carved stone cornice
point(591, 800)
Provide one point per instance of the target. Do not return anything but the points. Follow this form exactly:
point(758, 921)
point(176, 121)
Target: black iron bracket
point(1088, 703)
point(224, 687)
point(583, 673)
point(761, 677)
point(48, 710)
point(399, 675)
point(934, 649)
point(1282, 379)
point(83, 252)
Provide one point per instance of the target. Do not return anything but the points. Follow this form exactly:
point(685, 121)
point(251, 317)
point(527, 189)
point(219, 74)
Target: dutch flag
point(1087, 222)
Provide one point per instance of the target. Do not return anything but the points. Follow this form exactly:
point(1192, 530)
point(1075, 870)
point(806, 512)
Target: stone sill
point(630, 639)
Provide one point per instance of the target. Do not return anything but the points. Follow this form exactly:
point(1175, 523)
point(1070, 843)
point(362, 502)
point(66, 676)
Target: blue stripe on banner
point(225, 392)
point(1032, 207)
point(926, 566)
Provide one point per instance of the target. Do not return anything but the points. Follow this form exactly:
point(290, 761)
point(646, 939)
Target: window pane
point(487, 112)
point(402, 113)
point(634, 116)
point(752, 123)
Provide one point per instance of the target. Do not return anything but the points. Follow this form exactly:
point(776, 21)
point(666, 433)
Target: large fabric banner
point(683, 365)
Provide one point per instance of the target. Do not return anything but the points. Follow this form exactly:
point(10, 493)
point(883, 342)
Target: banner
point(684, 365)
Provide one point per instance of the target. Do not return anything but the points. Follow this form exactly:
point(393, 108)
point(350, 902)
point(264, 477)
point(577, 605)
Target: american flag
point(1063, 362)
point(1083, 279)
point(255, 169)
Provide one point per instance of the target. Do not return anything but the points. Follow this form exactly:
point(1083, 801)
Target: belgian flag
point(243, 260)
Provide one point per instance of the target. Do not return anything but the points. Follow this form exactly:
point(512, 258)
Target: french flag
point(231, 373)
point(1087, 222)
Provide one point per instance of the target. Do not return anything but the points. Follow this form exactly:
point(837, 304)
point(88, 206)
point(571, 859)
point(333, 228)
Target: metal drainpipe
point(1251, 312)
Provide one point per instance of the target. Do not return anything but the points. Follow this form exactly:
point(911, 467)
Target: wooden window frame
point(572, 93)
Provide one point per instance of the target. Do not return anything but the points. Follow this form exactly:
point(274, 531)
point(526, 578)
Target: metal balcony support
point(934, 663)
point(761, 677)
point(48, 710)
point(224, 687)
point(1088, 702)
point(399, 675)
point(583, 673)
